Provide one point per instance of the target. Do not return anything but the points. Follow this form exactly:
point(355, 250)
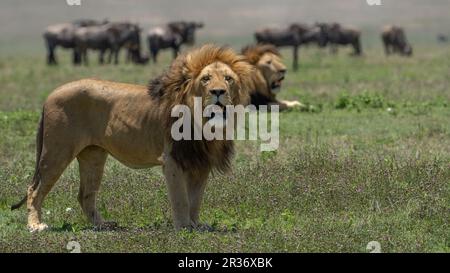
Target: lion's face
point(218, 85)
point(217, 75)
point(273, 71)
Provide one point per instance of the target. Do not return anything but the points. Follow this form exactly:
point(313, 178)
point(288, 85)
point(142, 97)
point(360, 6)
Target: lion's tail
point(36, 176)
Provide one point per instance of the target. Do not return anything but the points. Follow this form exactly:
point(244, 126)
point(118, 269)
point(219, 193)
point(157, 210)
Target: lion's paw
point(37, 227)
point(106, 226)
point(295, 104)
point(203, 227)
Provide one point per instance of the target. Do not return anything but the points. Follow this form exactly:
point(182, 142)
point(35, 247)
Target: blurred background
point(233, 22)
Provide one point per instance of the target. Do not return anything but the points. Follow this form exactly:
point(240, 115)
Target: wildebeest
point(442, 38)
point(394, 41)
point(63, 35)
point(111, 36)
point(173, 35)
point(134, 55)
point(293, 36)
point(334, 34)
point(313, 36)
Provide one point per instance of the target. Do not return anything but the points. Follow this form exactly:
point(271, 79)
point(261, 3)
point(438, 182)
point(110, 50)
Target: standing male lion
point(91, 119)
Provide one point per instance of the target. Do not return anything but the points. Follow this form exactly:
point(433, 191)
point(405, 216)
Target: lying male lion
point(267, 77)
point(91, 119)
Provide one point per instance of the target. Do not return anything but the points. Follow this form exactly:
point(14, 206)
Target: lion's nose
point(283, 70)
point(217, 92)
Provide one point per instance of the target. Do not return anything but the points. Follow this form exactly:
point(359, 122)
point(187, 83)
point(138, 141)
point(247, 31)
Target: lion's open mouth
point(277, 84)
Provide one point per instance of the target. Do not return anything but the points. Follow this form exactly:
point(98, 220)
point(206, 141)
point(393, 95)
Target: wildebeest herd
point(322, 34)
point(171, 36)
point(110, 37)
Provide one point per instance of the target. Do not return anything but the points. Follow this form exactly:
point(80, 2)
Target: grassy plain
point(368, 161)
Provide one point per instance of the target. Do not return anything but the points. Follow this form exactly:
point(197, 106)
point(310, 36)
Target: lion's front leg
point(196, 187)
point(285, 104)
point(178, 196)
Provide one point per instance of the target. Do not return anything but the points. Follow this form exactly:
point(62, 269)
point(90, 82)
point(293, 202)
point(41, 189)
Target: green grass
point(368, 162)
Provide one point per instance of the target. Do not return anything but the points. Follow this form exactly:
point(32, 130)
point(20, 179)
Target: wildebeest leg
point(178, 196)
point(76, 57)
point(175, 51)
point(152, 49)
point(386, 49)
point(109, 55)
point(101, 56)
point(84, 56)
point(51, 59)
point(130, 57)
point(295, 58)
point(154, 55)
point(92, 162)
point(86, 59)
point(196, 184)
point(116, 57)
point(115, 52)
point(357, 47)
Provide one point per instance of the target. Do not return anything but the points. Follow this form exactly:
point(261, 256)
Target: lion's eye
point(205, 79)
point(269, 61)
point(229, 79)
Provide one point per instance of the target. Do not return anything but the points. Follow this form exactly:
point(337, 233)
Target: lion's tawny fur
point(91, 119)
point(269, 68)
